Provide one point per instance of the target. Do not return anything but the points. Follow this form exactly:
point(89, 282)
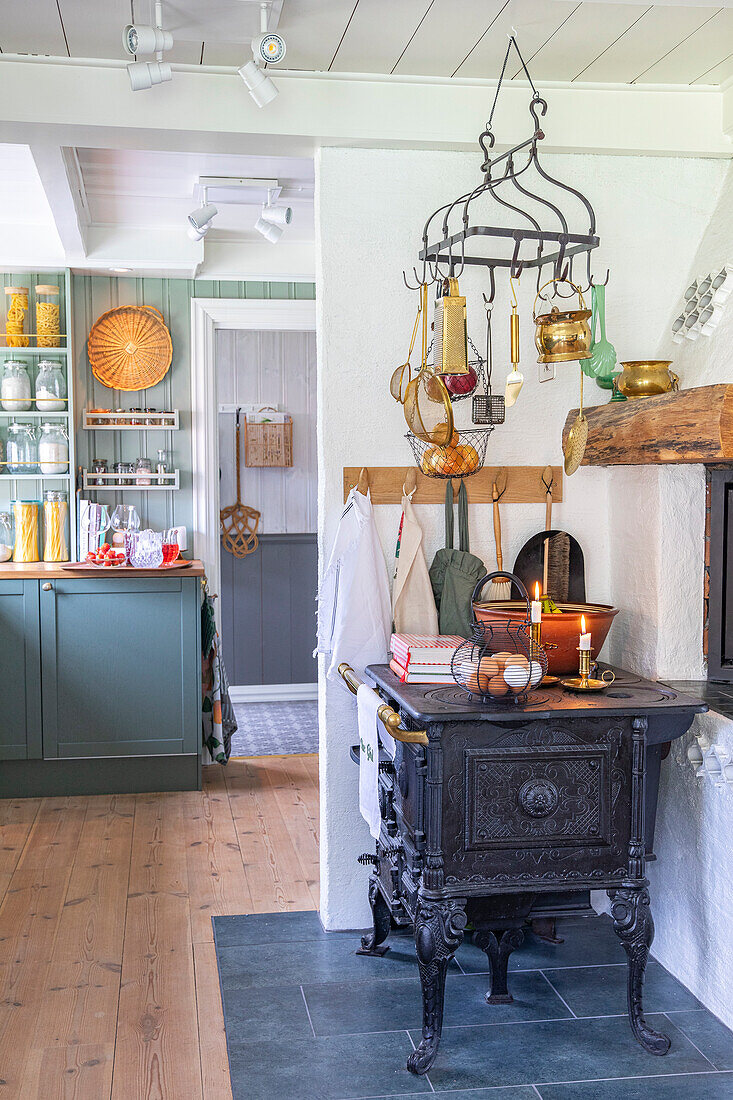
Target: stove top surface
point(627, 694)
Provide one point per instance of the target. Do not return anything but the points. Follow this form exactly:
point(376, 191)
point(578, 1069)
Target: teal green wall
point(91, 296)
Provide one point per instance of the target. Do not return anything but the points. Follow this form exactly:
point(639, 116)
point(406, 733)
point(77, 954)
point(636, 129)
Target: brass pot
point(563, 335)
point(647, 378)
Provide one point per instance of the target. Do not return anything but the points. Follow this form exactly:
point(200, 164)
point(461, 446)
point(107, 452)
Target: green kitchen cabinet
point(20, 671)
point(120, 667)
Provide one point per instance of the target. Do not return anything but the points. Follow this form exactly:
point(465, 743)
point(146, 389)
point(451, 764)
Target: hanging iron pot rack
point(534, 245)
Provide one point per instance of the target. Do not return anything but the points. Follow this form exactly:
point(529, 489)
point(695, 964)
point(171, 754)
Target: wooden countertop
point(39, 570)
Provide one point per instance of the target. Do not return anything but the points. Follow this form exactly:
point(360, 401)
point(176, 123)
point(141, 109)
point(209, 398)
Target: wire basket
point(463, 456)
point(500, 662)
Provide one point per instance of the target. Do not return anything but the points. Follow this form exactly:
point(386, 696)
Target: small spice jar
point(124, 468)
point(151, 417)
point(47, 316)
point(15, 387)
point(137, 416)
point(120, 419)
point(99, 466)
point(143, 471)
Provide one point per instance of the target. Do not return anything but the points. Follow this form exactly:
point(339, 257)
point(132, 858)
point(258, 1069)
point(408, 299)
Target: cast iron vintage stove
point(516, 812)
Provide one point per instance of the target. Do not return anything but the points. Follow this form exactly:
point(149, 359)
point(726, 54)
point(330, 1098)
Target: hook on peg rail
point(410, 483)
point(363, 482)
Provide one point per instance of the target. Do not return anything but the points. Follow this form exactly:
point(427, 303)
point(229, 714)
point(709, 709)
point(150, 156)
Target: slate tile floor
point(308, 1019)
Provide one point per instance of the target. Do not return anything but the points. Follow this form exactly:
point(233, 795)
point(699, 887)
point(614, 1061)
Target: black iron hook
point(537, 103)
point(485, 137)
point(517, 265)
point(492, 284)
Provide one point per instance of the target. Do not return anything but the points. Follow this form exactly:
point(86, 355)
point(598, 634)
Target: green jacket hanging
point(455, 573)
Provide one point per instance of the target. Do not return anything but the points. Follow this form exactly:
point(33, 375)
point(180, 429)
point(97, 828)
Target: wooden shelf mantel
point(690, 426)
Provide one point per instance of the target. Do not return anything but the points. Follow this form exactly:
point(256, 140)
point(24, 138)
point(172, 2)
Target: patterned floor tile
point(261, 1013)
point(709, 1035)
point(267, 928)
point(275, 729)
point(696, 1086)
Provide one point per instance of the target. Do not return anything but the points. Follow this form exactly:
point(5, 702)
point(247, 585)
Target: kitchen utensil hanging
point(239, 522)
point(402, 376)
point(601, 362)
point(488, 407)
point(451, 337)
point(427, 406)
point(515, 378)
point(130, 348)
point(562, 335)
point(577, 439)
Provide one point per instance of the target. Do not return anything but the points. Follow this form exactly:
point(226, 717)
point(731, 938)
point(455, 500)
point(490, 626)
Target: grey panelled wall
point(92, 295)
point(255, 367)
point(268, 611)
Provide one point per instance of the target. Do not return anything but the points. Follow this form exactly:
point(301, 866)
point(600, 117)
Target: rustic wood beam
point(690, 426)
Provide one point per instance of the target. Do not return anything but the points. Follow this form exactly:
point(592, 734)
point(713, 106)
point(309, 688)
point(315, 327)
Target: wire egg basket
point(463, 456)
point(500, 662)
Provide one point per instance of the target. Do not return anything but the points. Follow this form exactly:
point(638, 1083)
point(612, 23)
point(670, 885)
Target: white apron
point(413, 603)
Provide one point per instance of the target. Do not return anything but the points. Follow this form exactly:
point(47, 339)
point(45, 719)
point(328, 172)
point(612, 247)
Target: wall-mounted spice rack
point(131, 421)
point(120, 483)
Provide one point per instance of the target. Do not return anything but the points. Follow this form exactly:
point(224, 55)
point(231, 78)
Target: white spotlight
point(270, 232)
point(277, 215)
point(269, 47)
point(144, 39)
point(144, 74)
point(198, 234)
point(258, 84)
point(200, 218)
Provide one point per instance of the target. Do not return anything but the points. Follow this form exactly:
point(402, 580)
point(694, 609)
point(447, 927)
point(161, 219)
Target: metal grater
point(450, 354)
point(488, 408)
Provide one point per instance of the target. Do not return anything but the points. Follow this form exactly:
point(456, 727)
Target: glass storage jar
point(15, 387)
point(47, 316)
point(21, 450)
point(50, 387)
point(25, 514)
point(55, 525)
point(126, 470)
point(16, 307)
point(6, 536)
point(144, 471)
point(99, 466)
point(53, 450)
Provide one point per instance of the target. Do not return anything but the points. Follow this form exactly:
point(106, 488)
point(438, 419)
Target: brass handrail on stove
point(387, 715)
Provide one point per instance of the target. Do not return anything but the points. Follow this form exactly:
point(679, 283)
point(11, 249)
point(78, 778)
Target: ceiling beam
point(61, 179)
point(200, 110)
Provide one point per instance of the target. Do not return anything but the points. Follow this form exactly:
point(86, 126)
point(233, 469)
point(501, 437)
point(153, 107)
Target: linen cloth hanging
point(368, 703)
point(354, 610)
point(218, 722)
point(455, 573)
point(413, 602)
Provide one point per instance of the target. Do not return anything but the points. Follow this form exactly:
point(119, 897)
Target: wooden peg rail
point(523, 484)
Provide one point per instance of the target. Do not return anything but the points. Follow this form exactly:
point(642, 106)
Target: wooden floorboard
point(108, 981)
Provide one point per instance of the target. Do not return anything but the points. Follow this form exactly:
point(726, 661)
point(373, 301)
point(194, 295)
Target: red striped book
point(424, 649)
point(418, 676)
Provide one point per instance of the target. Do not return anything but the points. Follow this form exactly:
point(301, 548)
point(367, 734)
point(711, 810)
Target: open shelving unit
point(30, 486)
point(126, 482)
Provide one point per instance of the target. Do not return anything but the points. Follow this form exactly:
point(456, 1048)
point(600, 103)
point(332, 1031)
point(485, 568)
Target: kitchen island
point(101, 679)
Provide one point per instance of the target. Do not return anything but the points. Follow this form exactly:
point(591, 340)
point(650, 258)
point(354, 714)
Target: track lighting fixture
point(199, 222)
point(270, 232)
point(277, 215)
point(140, 38)
point(144, 74)
point(258, 84)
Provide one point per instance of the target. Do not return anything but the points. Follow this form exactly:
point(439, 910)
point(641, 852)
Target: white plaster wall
point(370, 208)
point(692, 881)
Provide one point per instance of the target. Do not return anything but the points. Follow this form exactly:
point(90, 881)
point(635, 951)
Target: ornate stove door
point(540, 804)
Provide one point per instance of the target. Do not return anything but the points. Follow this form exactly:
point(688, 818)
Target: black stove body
point(513, 813)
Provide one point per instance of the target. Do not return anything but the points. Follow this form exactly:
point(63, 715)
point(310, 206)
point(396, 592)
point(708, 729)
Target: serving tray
point(89, 565)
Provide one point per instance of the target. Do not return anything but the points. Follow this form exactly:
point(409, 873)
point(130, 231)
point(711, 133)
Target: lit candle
point(584, 638)
point(536, 616)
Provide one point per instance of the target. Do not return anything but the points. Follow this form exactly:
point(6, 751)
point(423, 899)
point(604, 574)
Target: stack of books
point(423, 658)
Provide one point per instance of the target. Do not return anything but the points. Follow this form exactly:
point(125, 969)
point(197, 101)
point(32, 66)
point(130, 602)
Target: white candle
point(536, 615)
point(584, 638)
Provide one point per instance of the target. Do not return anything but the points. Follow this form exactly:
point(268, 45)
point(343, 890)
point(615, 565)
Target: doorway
point(249, 354)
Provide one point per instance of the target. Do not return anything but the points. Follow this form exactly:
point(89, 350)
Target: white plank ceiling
point(633, 42)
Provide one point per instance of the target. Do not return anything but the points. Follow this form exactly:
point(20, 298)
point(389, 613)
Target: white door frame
point(207, 315)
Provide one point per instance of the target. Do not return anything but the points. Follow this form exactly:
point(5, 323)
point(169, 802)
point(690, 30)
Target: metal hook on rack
point(517, 265)
point(591, 280)
point(537, 103)
point(492, 284)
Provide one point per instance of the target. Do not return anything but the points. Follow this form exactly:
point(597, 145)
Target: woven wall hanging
point(130, 348)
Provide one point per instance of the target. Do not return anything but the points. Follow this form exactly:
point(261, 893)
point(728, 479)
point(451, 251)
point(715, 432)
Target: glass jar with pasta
point(55, 525)
point(25, 514)
point(47, 316)
point(16, 298)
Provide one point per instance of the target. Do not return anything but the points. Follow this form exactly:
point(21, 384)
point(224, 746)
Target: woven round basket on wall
point(130, 348)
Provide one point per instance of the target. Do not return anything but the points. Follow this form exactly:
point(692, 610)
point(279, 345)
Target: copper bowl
point(562, 630)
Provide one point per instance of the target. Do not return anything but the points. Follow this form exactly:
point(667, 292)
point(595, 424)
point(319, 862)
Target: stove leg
point(633, 924)
point(498, 948)
point(381, 920)
point(438, 934)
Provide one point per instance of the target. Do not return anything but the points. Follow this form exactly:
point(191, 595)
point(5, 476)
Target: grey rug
point(275, 729)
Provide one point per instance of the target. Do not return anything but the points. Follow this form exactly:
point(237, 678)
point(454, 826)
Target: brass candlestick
point(584, 681)
point(535, 633)
point(584, 663)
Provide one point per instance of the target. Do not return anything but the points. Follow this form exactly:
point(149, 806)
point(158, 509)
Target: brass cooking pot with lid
point(562, 335)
